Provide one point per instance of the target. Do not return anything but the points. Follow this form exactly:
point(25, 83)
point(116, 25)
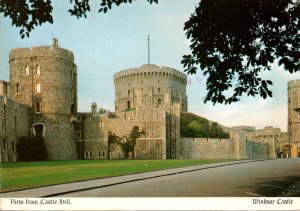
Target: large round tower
point(294, 116)
point(149, 85)
point(45, 79)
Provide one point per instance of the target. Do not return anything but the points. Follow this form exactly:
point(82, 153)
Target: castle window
point(103, 154)
point(38, 69)
point(38, 87)
point(78, 118)
point(158, 101)
point(18, 88)
point(78, 134)
point(86, 154)
point(26, 70)
point(128, 104)
point(99, 154)
point(173, 145)
point(101, 124)
point(128, 92)
point(37, 107)
point(38, 130)
point(91, 154)
point(72, 109)
point(158, 90)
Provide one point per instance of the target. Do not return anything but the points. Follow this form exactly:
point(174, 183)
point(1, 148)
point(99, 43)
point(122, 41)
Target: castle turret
point(149, 85)
point(294, 116)
point(45, 80)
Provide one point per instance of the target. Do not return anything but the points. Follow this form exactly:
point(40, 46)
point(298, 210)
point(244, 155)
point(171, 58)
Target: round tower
point(294, 116)
point(45, 79)
point(149, 85)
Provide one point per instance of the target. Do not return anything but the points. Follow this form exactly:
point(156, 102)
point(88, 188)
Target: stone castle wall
point(149, 85)
point(207, 148)
point(45, 80)
point(14, 123)
point(256, 150)
point(202, 148)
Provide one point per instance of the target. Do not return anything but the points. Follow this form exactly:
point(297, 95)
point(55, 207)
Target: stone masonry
point(41, 100)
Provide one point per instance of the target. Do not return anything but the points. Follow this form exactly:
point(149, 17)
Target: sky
point(104, 44)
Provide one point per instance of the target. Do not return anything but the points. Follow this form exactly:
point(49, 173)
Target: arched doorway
point(286, 151)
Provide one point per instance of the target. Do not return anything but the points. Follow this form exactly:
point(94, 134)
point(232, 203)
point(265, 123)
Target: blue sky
point(104, 44)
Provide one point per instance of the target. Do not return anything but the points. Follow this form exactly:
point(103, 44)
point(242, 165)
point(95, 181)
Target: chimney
point(55, 42)
point(94, 109)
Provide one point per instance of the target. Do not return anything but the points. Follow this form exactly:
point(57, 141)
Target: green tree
point(127, 143)
point(135, 133)
point(233, 41)
point(112, 139)
point(194, 126)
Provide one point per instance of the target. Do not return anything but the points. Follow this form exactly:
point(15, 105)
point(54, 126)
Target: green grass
point(22, 175)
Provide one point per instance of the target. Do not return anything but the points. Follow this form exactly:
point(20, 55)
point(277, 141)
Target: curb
point(152, 177)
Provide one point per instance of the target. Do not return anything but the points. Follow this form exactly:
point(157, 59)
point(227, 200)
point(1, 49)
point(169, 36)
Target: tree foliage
point(232, 41)
point(128, 142)
point(194, 126)
point(112, 139)
point(31, 149)
point(28, 14)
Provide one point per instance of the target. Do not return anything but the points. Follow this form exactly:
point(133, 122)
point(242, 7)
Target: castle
point(41, 100)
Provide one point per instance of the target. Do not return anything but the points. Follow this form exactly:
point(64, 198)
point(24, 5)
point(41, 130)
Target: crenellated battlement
point(150, 71)
point(41, 51)
point(294, 83)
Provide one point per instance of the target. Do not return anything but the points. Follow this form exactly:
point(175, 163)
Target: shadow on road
point(275, 187)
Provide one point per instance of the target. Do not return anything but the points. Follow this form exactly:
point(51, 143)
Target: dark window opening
point(158, 101)
point(18, 88)
point(72, 109)
point(128, 104)
point(39, 130)
point(38, 107)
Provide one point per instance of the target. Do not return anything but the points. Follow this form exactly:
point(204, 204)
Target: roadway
point(280, 177)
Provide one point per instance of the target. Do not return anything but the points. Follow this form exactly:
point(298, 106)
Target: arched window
point(38, 69)
point(38, 87)
point(18, 88)
point(158, 90)
point(26, 70)
point(37, 107)
point(158, 101)
point(128, 104)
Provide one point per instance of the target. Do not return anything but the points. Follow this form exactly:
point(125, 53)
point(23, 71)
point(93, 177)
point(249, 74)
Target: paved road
point(264, 178)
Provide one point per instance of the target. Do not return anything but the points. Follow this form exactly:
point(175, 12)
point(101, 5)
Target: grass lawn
point(22, 175)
